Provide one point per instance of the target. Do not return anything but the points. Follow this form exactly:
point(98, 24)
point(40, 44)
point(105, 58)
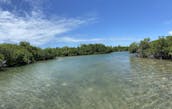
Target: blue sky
point(54, 23)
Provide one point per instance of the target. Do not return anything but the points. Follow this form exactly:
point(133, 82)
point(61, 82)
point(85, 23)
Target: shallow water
point(110, 81)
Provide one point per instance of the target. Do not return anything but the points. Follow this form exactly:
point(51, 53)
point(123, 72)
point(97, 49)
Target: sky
point(57, 23)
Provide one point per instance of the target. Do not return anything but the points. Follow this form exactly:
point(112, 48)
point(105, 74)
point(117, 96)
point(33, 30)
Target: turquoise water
point(110, 81)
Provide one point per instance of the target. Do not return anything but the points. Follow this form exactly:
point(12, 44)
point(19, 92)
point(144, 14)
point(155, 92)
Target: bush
point(15, 55)
point(161, 48)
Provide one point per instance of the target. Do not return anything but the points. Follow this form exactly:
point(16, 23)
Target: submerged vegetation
point(24, 53)
point(159, 49)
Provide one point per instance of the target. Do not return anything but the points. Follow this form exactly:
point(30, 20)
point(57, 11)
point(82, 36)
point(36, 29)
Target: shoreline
point(8, 67)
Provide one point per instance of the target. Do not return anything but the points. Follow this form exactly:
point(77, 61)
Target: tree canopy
point(161, 48)
point(24, 53)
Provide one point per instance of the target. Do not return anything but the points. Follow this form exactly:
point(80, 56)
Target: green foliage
point(15, 55)
point(119, 48)
point(1, 58)
point(25, 53)
point(161, 48)
point(66, 51)
point(37, 53)
point(133, 47)
point(144, 46)
point(88, 50)
point(2, 61)
point(49, 53)
point(92, 49)
point(169, 44)
point(24, 44)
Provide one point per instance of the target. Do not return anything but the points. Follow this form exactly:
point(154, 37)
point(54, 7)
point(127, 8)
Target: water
point(110, 81)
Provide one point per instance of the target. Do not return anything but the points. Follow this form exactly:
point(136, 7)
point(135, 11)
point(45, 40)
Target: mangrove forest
point(24, 53)
point(159, 49)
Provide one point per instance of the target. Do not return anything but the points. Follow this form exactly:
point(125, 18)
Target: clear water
point(111, 81)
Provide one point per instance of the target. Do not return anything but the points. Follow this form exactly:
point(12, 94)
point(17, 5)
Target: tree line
point(24, 53)
point(160, 48)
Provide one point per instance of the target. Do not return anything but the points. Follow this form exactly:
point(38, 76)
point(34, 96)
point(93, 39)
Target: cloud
point(94, 40)
point(170, 32)
point(77, 40)
point(34, 4)
point(35, 27)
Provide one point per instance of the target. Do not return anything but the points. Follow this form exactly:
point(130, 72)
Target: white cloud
point(94, 40)
point(34, 29)
point(170, 32)
point(77, 40)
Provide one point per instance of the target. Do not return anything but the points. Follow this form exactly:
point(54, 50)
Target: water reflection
point(112, 81)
